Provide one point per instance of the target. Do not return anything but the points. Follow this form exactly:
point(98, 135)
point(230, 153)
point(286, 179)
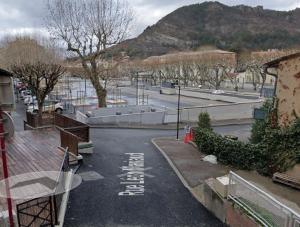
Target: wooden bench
point(287, 180)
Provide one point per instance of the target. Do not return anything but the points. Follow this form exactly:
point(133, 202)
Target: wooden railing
point(75, 127)
point(72, 132)
point(69, 141)
point(36, 121)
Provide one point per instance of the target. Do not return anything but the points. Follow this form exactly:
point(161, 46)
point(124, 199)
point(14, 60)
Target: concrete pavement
point(187, 162)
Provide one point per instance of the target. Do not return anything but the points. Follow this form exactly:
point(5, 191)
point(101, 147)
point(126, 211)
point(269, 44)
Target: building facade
point(287, 87)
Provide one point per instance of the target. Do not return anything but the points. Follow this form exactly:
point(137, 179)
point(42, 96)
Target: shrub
point(204, 121)
point(228, 152)
point(259, 126)
point(278, 150)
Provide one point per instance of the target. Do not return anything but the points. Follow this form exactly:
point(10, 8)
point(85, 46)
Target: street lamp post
point(178, 111)
point(137, 89)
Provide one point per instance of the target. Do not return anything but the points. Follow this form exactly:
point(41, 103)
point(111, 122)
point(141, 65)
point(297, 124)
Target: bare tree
point(35, 65)
point(88, 28)
point(233, 78)
point(254, 62)
point(202, 70)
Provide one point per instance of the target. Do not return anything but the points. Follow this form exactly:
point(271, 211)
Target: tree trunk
point(263, 84)
point(40, 114)
point(101, 94)
point(100, 90)
point(40, 108)
point(218, 85)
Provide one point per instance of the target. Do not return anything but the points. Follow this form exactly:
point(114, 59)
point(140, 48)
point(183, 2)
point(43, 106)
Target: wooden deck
point(32, 151)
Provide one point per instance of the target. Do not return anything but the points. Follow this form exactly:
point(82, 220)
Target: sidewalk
point(229, 98)
point(187, 162)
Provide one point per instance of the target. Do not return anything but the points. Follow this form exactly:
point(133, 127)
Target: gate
point(36, 213)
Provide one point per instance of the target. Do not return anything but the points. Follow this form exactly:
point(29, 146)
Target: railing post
point(55, 210)
point(229, 185)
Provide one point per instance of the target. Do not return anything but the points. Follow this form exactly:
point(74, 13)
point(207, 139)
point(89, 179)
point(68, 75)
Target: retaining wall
point(131, 115)
point(219, 112)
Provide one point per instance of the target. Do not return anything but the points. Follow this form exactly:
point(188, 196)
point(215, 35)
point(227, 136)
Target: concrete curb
point(218, 100)
point(162, 127)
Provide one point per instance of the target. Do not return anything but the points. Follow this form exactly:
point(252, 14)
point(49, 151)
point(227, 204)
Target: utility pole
point(178, 111)
point(137, 88)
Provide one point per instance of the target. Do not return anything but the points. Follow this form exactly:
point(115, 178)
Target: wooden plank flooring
point(32, 151)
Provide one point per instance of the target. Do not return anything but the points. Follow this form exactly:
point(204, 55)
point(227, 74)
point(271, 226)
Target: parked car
point(29, 99)
point(49, 106)
point(19, 85)
point(24, 93)
point(218, 92)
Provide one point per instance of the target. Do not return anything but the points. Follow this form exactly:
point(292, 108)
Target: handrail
point(219, 105)
point(255, 188)
point(292, 218)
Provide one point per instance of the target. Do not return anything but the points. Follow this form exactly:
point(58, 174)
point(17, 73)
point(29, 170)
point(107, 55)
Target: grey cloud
point(18, 14)
point(21, 14)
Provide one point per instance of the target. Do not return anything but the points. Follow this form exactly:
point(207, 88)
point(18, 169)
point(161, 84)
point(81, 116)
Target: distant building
point(286, 70)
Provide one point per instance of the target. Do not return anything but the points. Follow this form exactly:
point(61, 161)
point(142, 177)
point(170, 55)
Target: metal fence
point(260, 205)
point(61, 185)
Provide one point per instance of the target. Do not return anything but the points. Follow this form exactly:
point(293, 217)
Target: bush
point(228, 152)
point(204, 121)
point(278, 150)
point(259, 126)
point(281, 149)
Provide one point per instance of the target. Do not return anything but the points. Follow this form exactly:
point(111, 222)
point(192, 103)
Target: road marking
point(136, 170)
point(91, 176)
point(133, 175)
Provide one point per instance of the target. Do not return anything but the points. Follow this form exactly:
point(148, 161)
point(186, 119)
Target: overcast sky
point(18, 16)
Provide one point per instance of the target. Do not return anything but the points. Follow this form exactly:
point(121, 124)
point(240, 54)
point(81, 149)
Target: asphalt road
point(19, 116)
point(165, 201)
point(169, 101)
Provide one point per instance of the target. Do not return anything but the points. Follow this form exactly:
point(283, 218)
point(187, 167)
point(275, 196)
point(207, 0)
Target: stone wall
point(288, 91)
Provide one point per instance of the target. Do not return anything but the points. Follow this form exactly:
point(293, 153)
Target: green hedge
point(278, 150)
point(228, 152)
point(281, 149)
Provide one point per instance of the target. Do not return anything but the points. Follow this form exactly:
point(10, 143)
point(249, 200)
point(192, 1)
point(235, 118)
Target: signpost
point(6, 104)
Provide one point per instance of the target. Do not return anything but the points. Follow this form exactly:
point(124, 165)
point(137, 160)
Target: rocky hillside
point(214, 24)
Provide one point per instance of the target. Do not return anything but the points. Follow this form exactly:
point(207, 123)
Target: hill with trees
point(217, 25)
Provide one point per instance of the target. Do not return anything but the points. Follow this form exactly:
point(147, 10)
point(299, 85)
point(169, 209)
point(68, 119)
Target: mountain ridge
point(231, 28)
